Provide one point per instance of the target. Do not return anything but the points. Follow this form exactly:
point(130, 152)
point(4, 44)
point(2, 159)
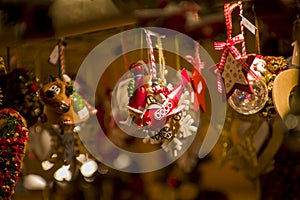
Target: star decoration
point(199, 85)
point(234, 75)
point(197, 80)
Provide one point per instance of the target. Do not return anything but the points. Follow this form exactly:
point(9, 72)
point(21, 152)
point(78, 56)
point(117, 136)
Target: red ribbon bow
point(228, 46)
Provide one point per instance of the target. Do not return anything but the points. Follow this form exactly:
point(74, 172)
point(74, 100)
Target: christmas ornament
point(65, 110)
point(197, 80)
point(13, 139)
point(247, 139)
point(20, 92)
point(159, 109)
point(63, 105)
point(247, 103)
point(250, 103)
point(274, 66)
point(55, 141)
point(234, 66)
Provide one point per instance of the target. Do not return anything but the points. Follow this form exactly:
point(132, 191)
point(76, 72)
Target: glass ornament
point(246, 103)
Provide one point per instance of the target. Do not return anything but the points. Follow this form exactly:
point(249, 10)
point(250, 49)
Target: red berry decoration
point(13, 139)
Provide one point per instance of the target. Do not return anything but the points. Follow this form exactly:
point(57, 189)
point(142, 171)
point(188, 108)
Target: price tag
point(53, 58)
point(248, 25)
point(83, 113)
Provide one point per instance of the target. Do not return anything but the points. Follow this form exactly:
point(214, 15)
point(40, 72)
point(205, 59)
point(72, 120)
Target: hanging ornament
point(267, 68)
point(65, 110)
point(245, 143)
point(249, 103)
point(63, 104)
point(248, 142)
point(197, 80)
point(234, 66)
point(158, 108)
point(20, 92)
point(13, 139)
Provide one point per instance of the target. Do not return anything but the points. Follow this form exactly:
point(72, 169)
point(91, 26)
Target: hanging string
point(151, 53)
point(197, 62)
point(177, 53)
point(124, 48)
point(61, 59)
point(161, 58)
point(240, 4)
point(257, 31)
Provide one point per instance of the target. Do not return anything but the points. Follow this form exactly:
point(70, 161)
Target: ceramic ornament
point(63, 105)
point(65, 111)
point(55, 139)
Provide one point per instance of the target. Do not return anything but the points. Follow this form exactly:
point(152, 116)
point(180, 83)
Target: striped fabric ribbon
point(229, 45)
point(151, 52)
point(62, 57)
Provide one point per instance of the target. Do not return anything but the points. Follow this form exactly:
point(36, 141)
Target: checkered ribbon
point(229, 45)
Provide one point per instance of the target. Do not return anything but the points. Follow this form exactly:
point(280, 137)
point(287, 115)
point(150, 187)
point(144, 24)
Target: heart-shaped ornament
point(13, 139)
